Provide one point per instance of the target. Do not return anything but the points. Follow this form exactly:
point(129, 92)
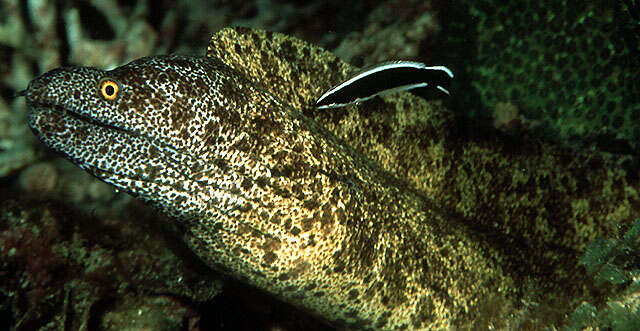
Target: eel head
point(150, 127)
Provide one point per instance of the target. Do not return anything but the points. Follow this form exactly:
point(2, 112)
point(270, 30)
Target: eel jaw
point(98, 148)
point(129, 161)
point(39, 97)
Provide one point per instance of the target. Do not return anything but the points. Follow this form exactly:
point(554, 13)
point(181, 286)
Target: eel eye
point(109, 88)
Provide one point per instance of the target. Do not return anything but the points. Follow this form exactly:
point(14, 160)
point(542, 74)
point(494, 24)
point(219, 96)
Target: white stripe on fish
point(385, 78)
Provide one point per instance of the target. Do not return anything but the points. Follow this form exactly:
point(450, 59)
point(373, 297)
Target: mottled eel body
point(269, 196)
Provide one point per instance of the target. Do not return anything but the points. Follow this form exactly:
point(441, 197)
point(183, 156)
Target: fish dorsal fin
point(293, 70)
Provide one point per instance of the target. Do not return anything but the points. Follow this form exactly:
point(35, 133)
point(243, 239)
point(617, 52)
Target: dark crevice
point(156, 14)
point(24, 12)
point(458, 51)
point(229, 311)
point(6, 315)
point(35, 68)
point(61, 31)
point(6, 92)
point(6, 59)
point(94, 23)
point(128, 3)
point(97, 311)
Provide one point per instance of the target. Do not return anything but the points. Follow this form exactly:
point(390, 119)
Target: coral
point(572, 65)
point(394, 30)
point(39, 178)
point(57, 272)
point(148, 313)
point(613, 262)
point(507, 117)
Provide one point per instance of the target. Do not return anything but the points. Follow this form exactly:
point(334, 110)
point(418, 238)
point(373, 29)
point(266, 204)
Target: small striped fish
point(385, 78)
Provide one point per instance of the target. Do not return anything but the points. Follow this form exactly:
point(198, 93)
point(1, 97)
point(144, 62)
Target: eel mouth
point(86, 141)
point(109, 152)
point(40, 108)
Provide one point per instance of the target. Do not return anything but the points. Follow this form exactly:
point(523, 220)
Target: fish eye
point(109, 88)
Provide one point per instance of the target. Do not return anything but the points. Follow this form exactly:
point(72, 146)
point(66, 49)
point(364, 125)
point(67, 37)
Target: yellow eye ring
point(109, 88)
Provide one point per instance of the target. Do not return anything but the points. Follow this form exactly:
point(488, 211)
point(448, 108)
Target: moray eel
point(410, 225)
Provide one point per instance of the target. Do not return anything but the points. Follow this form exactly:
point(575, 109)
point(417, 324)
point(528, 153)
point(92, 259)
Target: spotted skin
point(502, 182)
point(269, 196)
point(264, 193)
